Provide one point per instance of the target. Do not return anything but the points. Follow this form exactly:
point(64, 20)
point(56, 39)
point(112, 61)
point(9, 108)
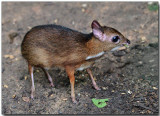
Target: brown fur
point(47, 46)
point(52, 45)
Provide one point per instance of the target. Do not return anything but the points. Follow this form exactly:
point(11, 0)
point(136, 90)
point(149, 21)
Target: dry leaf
point(130, 92)
point(104, 88)
point(83, 10)
point(25, 77)
point(155, 88)
point(9, 56)
point(143, 39)
point(13, 96)
point(64, 99)
point(26, 99)
point(5, 86)
point(56, 20)
point(123, 93)
point(51, 95)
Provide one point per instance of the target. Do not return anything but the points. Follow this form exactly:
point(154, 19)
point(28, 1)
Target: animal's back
point(49, 45)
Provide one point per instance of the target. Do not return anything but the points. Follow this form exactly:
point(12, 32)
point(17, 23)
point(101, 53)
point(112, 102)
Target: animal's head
point(110, 37)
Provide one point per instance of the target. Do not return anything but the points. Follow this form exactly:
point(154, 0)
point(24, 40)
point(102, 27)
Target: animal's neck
point(94, 46)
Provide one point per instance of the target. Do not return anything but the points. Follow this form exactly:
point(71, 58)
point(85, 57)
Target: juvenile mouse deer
point(47, 46)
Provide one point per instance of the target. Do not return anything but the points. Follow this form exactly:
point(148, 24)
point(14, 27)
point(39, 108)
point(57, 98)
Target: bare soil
point(129, 78)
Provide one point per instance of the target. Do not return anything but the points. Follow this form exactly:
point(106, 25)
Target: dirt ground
point(129, 78)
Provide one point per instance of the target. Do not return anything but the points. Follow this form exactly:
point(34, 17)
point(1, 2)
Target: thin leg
point(49, 77)
point(93, 81)
point(30, 68)
point(70, 72)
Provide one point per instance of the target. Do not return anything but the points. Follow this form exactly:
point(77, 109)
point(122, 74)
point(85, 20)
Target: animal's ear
point(95, 24)
point(97, 30)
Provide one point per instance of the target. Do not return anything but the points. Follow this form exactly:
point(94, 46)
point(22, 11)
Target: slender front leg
point(70, 72)
point(93, 81)
point(49, 77)
point(30, 68)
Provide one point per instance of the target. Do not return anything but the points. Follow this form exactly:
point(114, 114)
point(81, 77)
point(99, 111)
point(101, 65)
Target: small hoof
point(52, 85)
point(74, 101)
point(97, 88)
point(32, 97)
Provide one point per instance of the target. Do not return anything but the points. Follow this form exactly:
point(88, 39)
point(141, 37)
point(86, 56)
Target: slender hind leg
point(70, 72)
point(93, 81)
point(30, 68)
point(49, 77)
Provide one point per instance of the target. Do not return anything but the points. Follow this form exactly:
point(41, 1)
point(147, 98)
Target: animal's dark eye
point(115, 39)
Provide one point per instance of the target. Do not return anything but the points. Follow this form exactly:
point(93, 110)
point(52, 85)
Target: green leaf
point(100, 103)
point(153, 7)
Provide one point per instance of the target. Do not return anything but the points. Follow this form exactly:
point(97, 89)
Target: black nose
point(128, 41)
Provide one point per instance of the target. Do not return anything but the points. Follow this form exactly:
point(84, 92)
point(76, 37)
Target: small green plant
point(153, 6)
point(100, 103)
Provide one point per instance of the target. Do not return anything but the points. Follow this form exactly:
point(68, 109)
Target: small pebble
point(151, 60)
point(140, 62)
point(84, 5)
point(73, 22)
point(83, 10)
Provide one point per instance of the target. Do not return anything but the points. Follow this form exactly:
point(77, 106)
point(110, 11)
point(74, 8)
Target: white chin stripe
point(115, 48)
point(95, 56)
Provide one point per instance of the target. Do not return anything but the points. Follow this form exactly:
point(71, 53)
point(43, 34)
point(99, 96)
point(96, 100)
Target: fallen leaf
point(130, 92)
point(100, 103)
point(25, 77)
point(9, 56)
point(56, 20)
point(26, 99)
point(51, 95)
point(5, 86)
point(84, 5)
point(104, 88)
point(13, 96)
point(83, 10)
point(155, 88)
point(64, 99)
point(123, 93)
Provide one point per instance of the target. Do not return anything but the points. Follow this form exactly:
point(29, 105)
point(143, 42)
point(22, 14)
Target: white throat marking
point(95, 56)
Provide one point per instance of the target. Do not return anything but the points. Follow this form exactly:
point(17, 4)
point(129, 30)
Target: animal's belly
point(84, 66)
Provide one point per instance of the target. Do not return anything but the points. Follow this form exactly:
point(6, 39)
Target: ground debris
point(5, 86)
point(12, 36)
point(26, 99)
point(9, 56)
point(141, 105)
